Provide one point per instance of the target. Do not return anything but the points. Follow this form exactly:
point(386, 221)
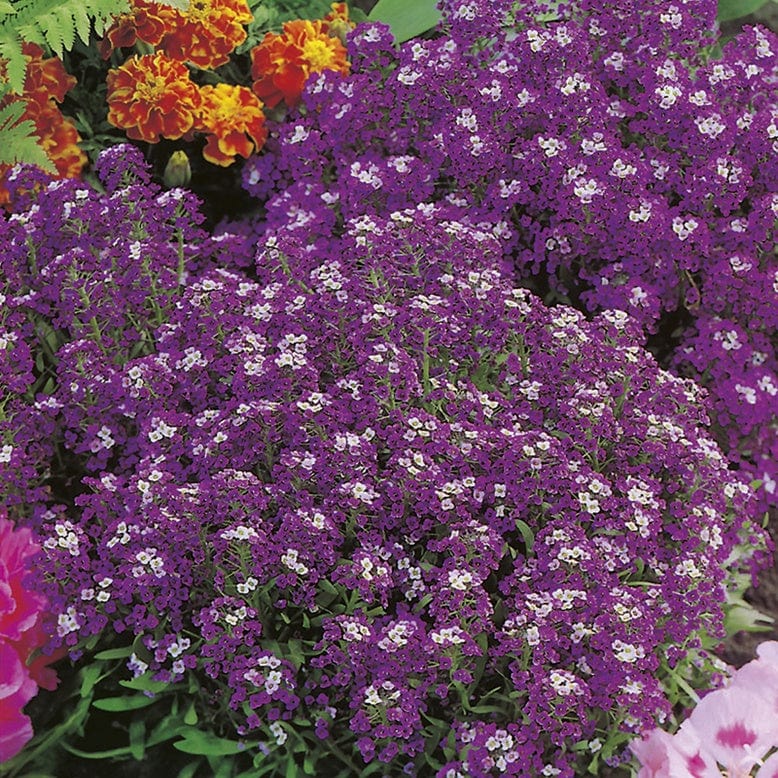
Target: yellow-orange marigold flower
point(151, 97)
point(147, 21)
point(209, 32)
point(234, 120)
point(282, 63)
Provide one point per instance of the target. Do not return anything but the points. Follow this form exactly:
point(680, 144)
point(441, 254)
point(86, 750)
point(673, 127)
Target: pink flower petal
point(674, 756)
point(736, 725)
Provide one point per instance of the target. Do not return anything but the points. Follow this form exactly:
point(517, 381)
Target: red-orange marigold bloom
point(209, 32)
point(59, 139)
point(282, 63)
point(147, 21)
point(151, 97)
point(233, 117)
point(46, 79)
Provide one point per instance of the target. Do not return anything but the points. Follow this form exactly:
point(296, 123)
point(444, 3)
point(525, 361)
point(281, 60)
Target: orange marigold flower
point(151, 97)
point(46, 79)
point(59, 139)
point(233, 117)
point(210, 31)
point(147, 21)
point(282, 63)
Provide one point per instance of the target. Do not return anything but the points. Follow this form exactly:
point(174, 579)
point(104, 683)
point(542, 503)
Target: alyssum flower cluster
point(368, 493)
point(626, 161)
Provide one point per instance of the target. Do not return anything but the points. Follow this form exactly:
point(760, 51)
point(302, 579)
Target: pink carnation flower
point(731, 729)
point(16, 690)
point(681, 755)
point(737, 726)
point(21, 634)
point(19, 607)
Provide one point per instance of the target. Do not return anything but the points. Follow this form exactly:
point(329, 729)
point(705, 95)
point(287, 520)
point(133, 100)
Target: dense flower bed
point(448, 460)
point(372, 486)
point(627, 166)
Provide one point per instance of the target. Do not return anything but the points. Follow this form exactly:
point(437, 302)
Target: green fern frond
point(20, 142)
point(15, 63)
point(51, 24)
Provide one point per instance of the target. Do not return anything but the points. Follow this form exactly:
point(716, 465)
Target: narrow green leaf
point(291, 769)
point(16, 64)
point(205, 744)
point(90, 675)
point(138, 739)
point(7, 8)
point(734, 9)
point(190, 717)
point(114, 653)
point(82, 22)
point(526, 533)
point(52, 32)
point(189, 770)
point(145, 683)
point(744, 617)
point(68, 30)
point(222, 768)
point(121, 704)
point(407, 18)
point(112, 753)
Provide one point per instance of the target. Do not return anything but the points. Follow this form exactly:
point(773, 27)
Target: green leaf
point(526, 533)
point(734, 9)
point(205, 744)
point(89, 677)
point(190, 717)
point(743, 617)
point(114, 653)
point(121, 704)
point(291, 769)
point(138, 739)
point(407, 18)
point(20, 141)
point(145, 683)
point(189, 770)
point(83, 24)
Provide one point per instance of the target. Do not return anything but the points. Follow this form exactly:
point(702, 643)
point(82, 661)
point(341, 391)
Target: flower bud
point(177, 171)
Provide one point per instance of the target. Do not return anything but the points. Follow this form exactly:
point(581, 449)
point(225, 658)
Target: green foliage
point(734, 9)
point(407, 18)
point(20, 143)
point(52, 24)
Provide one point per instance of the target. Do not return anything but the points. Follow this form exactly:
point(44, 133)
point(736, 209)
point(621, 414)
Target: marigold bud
point(177, 171)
